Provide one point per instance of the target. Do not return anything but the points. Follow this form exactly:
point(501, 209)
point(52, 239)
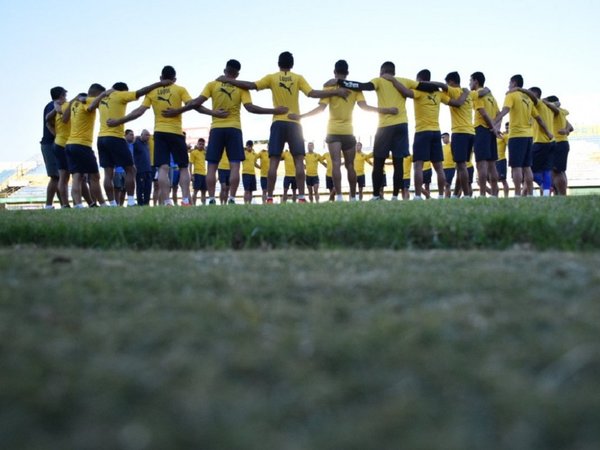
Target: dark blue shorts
point(391, 139)
point(167, 145)
point(113, 152)
point(264, 183)
point(502, 169)
point(406, 183)
point(471, 172)
point(329, 182)
point(461, 145)
point(347, 140)
point(289, 182)
point(561, 153)
point(199, 182)
point(311, 181)
point(60, 154)
point(427, 146)
point(119, 181)
point(427, 176)
point(249, 182)
point(543, 157)
point(449, 173)
point(224, 176)
point(174, 174)
point(282, 132)
point(81, 159)
point(486, 148)
point(50, 160)
point(519, 152)
point(360, 180)
point(220, 139)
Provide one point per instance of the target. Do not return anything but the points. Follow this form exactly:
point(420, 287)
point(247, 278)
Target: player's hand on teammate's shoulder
point(331, 83)
point(166, 82)
point(388, 76)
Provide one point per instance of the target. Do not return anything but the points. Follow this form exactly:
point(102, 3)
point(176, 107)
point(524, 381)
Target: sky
point(553, 44)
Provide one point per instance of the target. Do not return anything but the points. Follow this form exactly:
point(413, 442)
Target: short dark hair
point(233, 65)
point(388, 67)
point(249, 143)
point(286, 60)
point(201, 140)
point(96, 88)
point(445, 134)
point(552, 99)
point(120, 86)
point(424, 75)
point(479, 77)
point(454, 77)
point(168, 73)
point(341, 67)
point(518, 80)
point(536, 90)
point(56, 92)
point(127, 131)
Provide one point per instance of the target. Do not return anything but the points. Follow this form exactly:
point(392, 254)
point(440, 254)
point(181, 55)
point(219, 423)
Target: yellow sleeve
point(207, 91)
point(304, 86)
point(246, 97)
point(263, 83)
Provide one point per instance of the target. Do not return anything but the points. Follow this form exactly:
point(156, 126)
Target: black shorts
point(60, 155)
point(174, 174)
point(119, 181)
point(81, 159)
point(220, 139)
point(347, 140)
point(50, 160)
point(249, 182)
point(449, 174)
point(519, 152)
point(471, 172)
point(561, 153)
point(391, 139)
point(486, 148)
point(360, 180)
point(312, 180)
point(199, 182)
point(502, 169)
point(264, 183)
point(224, 176)
point(461, 145)
point(406, 183)
point(543, 157)
point(329, 182)
point(114, 152)
point(282, 132)
point(167, 145)
point(289, 182)
point(427, 146)
point(427, 176)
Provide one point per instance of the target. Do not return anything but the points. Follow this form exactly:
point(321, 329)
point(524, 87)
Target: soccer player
point(327, 163)
point(520, 138)
point(143, 173)
point(359, 168)
point(427, 146)
point(80, 156)
point(289, 180)
point(312, 160)
point(263, 164)
point(340, 135)
point(249, 172)
point(561, 129)
point(112, 148)
point(543, 142)
point(47, 144)
point(226, 128)
point(55, 123)
point(285, 86)
point(198, 163)
point(448, 165)
point(486, 150)
point(169, 140)
point(501, 165)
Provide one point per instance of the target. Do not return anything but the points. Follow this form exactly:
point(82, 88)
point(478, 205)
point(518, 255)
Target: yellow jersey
point(198, 161)
point(539, 136)
point(340, 112)
point(312, 164)
point(229, 98)
point(389, 97)
point(82, 123)
point(63, 130)
point(248, 163)
point(560, 123)
point(288, 159)
point(264, 162)
point(489, 104)
point(163, 98)
point(462, 116)
point(521, 114)
point(448, 158)
point(359, 163)
point(501, 143)
point(427, 110)
point(285, 88)
point(406, 167)
point(113, 106)
point(224, 162)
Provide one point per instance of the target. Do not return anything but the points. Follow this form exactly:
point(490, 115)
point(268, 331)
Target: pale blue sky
point(553, 44)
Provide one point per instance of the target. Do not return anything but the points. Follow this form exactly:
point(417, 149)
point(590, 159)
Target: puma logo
point(104, 102)
point(163, 99)
point(286, 87)
point(432, 98)
point(226, 92)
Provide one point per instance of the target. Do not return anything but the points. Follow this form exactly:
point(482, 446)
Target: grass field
point(315, 338)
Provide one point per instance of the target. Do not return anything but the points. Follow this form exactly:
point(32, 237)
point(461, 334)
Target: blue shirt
point(47, 136)
point(141, 156)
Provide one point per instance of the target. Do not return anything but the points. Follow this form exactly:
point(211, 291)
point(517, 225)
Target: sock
point(547, 183)
point(538, 178)
point(130, 200)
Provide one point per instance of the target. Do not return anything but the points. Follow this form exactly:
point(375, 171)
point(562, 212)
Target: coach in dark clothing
point(143, 177)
